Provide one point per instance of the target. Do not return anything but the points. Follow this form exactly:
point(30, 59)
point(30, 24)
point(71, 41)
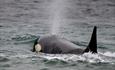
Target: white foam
point(106, 57)
point(87, 57)
point(109, 54)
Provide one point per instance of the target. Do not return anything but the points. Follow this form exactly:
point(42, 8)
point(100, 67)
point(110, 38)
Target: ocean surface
point(22, 21)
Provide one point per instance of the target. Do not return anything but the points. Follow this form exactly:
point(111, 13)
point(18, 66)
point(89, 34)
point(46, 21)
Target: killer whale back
point(50, 42)
point(92, 47)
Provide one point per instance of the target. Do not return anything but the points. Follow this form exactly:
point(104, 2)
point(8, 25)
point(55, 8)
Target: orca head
point(40, 42)
point(92, 47)
point(36, 47)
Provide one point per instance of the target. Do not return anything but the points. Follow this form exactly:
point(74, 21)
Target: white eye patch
point(38, 48)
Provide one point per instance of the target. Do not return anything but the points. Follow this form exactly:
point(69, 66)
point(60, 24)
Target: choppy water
point(22, 21)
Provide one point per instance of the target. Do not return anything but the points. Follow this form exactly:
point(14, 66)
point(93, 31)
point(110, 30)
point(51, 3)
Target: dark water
point(22, 21)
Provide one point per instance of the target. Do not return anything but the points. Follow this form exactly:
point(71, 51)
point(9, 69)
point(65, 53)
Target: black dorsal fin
point(92, 47)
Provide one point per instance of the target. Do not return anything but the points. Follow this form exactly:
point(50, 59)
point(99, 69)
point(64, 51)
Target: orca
point(53, 44)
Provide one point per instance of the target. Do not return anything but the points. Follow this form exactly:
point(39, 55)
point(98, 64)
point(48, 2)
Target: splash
point(87, 57)
point(56, 16)
point(105, 57)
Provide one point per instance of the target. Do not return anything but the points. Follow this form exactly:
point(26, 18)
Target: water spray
point(56, 12)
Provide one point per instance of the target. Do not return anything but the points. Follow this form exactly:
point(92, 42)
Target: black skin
point(53, 44)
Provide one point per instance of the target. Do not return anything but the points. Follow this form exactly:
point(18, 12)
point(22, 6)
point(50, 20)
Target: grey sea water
point(22, 21)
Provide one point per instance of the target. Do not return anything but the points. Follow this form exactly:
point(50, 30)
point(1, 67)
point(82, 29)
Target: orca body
point(55, 45)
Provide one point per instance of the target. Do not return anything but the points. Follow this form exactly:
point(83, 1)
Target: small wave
point(26, 38)
point(1, 26)
point(3, 58)
point(23, 37)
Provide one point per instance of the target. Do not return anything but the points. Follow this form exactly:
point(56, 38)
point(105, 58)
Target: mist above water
point(56, 15)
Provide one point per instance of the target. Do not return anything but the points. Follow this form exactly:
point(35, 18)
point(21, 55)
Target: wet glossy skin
point(55, 45)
